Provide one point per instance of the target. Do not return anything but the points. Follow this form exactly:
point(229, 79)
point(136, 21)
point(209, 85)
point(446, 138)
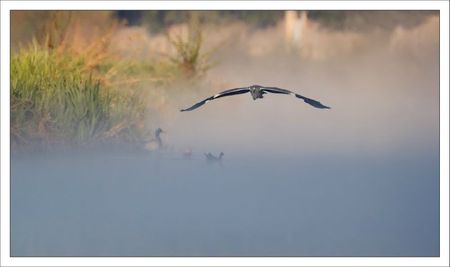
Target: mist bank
point(384, 95)
point(127, 205)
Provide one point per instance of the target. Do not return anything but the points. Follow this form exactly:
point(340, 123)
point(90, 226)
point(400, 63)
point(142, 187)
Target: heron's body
point(258, 91)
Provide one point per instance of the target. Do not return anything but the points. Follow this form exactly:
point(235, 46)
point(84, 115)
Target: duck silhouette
point(211, 158)
point(156, 143)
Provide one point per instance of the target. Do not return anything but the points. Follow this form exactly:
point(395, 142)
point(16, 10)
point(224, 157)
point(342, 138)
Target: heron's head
point(221, 154)
point(255, 86)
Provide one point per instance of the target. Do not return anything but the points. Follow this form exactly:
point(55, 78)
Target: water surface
point(147, 205)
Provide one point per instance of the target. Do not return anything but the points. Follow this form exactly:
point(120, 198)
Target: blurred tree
point(132, 17)
point(362, 20)
point(157, 20)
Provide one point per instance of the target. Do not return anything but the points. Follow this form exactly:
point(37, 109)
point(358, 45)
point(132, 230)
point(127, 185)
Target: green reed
point(54, 101)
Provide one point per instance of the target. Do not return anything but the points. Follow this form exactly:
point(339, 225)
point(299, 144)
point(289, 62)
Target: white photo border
point(7, 6)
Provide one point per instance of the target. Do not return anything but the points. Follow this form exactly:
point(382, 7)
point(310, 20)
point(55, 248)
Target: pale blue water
point(136, 205)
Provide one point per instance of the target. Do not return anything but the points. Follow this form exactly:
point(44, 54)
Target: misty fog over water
point(360, 179)
point(124, 205)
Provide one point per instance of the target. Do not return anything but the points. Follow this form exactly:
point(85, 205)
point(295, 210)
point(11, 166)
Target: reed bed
point(68, 89)
point(53, 101)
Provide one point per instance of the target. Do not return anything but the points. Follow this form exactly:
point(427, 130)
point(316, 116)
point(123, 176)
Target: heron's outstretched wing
point(276, 90)
point(235, 91)
point(310, 101)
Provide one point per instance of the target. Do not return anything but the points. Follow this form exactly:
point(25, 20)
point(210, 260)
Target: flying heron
point(257, 91)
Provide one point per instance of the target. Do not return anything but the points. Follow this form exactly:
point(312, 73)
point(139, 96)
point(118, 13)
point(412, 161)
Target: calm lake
point(111, 204)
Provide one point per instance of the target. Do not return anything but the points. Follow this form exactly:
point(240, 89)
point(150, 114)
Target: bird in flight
point(257, 91)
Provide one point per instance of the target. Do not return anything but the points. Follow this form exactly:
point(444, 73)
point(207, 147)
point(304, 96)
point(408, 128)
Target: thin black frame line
point(439, 94)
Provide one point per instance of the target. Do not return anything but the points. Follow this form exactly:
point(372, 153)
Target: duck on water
point(211, 158)
point(156, 143)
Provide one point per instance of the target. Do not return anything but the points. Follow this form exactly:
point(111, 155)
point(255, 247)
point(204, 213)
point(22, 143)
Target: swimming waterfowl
point(257, 91)
point(156, 143)
point(187, 153)
point(211, 158)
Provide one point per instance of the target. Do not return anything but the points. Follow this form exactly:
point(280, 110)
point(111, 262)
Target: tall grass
point(57, 100)
point(53, 101)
